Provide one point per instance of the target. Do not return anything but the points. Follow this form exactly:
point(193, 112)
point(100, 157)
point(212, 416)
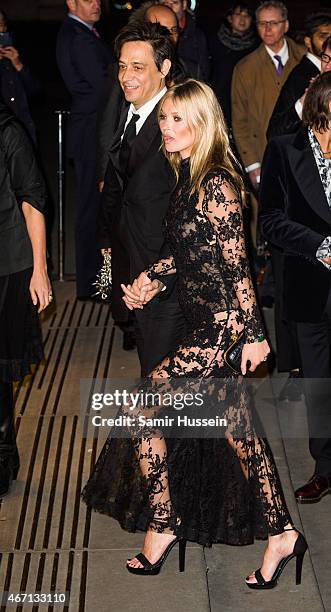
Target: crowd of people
point(172, 140)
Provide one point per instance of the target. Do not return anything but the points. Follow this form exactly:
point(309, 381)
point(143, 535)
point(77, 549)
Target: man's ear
point(307, 41)
point(70, 4)
point(184, 5)
point(165, 68)
point(287, 25)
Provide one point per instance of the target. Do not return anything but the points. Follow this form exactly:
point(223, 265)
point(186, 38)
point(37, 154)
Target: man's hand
point(327, 260)
point(254, 176)
point(141, 291)
point(13, 55)
point(101, 185)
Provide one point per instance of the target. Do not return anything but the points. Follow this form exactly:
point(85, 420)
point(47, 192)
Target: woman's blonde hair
point(211, 150)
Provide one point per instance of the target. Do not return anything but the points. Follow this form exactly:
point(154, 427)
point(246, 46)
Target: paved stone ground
point(50, 542)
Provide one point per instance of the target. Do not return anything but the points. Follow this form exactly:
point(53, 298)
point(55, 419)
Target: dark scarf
point(234, 41)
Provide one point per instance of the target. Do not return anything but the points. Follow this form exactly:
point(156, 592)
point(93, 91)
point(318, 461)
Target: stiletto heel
point(298, 568)
point(182, 552)
point(298, 553)
point(151, 569)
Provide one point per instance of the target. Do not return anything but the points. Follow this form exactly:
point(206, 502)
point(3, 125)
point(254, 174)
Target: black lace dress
point(216, 489)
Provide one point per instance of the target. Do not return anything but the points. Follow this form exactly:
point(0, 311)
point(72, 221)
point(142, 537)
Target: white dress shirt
point(88, 25)
point(315, 60)
point(144, 111)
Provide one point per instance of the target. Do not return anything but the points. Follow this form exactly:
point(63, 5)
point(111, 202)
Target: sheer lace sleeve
point(160, 268)
point(222, 206)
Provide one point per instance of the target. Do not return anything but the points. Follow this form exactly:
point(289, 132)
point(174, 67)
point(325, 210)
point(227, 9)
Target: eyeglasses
point(271, 24)
point(326, 58)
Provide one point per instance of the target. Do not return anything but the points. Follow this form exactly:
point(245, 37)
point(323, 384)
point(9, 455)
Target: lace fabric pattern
point(211, 489)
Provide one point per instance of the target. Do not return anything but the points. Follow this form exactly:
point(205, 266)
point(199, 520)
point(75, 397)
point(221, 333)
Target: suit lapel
point(143, 141)
point(304, 168)
point(116, 141)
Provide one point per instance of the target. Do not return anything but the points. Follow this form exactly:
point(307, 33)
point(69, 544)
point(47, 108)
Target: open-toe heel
point(151, 569)
point(298, 553)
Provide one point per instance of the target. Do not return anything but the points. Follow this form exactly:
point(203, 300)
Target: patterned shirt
point(324, 169)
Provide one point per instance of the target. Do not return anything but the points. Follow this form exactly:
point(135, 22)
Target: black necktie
point(127, 140)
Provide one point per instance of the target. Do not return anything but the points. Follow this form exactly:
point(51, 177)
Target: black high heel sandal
point(151, 569)
point(299, 550)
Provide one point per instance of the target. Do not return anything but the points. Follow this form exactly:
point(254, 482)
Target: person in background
point(192, 43)
point(25, 288)
point(287, 114)
point(235, 38)
point(326, 55)
point(17, 84)
point(295, 200)
point(83, 60)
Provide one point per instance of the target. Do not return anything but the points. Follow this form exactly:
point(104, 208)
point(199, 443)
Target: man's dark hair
point(327, 44)
point(316, 109)
point(153, 33)
point(242, 6)
point(314, 21)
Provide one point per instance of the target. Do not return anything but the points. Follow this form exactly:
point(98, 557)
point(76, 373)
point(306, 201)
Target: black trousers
point(88, 257)
point(159, 329)
point(315, 350)
point(7, 431)
point(288, 354)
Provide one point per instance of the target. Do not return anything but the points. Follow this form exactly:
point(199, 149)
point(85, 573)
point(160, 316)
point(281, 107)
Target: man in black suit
point(295, 196)
point(286, 117)
point(83, 60)
point(138, 185)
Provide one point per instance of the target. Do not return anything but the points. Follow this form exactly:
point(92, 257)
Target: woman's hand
point(40, 289)
point(13, 55)
point(255, 352)
point(141, 291)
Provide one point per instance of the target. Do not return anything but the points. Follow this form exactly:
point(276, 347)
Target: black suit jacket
point(296, 217)
point(285, 119)
point(133, 213)
point(82, 59)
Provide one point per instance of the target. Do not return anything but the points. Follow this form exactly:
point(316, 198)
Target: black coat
point(20, 181)
point(131, 217)
point(224, 61)
point(17, 88)
point(83, 60)
point(192, 48)
point(285, 119)
point(296, 217)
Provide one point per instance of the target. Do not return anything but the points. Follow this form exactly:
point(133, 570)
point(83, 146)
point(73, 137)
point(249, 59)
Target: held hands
point(255, 352)
point(141, 291)
point(13, 55)
point(40, 289)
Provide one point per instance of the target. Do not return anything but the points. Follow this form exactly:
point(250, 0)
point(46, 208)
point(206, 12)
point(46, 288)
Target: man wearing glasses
point(256, 84)
point(286, 117)
point(192, 44)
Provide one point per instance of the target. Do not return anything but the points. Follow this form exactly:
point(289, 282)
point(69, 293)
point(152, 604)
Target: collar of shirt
point(144, 111)
point(315, 60)
point(283, 54)
point(88, 25)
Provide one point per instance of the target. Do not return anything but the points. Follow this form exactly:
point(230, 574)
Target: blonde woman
point(204, 489)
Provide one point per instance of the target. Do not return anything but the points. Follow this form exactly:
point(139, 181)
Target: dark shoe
point(151, 569)
point(314, 490)
point(292, 390)
point(8, 472)
point(129, 341)
point(299, 550)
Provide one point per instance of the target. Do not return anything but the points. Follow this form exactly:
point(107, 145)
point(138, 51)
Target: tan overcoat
point(255, 89)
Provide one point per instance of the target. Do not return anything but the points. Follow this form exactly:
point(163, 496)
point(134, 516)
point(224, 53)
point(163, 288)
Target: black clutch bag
point(232, 355)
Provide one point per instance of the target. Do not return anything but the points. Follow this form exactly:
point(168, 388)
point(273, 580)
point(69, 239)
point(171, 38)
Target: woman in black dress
point(25, 288)
point(201, 489)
